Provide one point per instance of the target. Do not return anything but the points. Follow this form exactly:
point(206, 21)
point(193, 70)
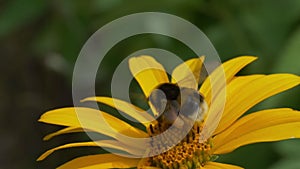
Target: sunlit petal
point(263, 126)
point(224, 73)
point(135, 112)
point(148, 72)
point(214, 165)
point(214, 91)
point(249, 94)
point(91, 119)
point(103, 143)
point(100, 161)
point(187, 74)
point(232, 89)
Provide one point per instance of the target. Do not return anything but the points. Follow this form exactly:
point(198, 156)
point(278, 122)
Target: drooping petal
point(100, 161)
point(148, 73)
point(187, 74)
point(103, 143)
point(64, 131)
point(249, 94)
point(131, 110)
point(93, 120)
point(214, 91)
point(214, 165)
point(68, 130)
point(262, 126)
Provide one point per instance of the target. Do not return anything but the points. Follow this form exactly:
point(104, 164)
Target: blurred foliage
point(289, 152)
point(40, 41)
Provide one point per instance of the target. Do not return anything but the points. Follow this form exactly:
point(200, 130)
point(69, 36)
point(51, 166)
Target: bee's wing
point(157, 102)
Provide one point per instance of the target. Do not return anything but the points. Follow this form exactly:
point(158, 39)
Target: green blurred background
point(40, 41)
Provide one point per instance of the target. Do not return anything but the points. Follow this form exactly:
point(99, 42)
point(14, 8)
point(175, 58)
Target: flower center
point(189, 153)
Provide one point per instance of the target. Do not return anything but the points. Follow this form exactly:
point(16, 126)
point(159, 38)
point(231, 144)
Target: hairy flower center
point(189, 153)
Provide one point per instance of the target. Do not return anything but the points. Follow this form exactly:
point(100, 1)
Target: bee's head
point(170, 91)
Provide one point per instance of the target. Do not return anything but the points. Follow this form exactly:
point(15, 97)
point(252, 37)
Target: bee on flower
point(191, 123)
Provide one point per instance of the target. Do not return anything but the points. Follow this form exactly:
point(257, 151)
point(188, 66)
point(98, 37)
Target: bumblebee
point(173, 103)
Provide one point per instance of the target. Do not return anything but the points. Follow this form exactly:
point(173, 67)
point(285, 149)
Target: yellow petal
point(214, 91)
point(262, 126)
point(187, 74)
point(214, 165)
point(103, 143)
point(148, 73)
point(100, 161)
point(225, 72)
point(213, 116)
point(245, 96)
point(143, 164)
point(64, 131)
point(239, 81)
point(131, 110)
point(93, 120)
point(232, 88)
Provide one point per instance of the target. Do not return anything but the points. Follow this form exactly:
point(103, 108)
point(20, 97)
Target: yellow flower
point(223, 129)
